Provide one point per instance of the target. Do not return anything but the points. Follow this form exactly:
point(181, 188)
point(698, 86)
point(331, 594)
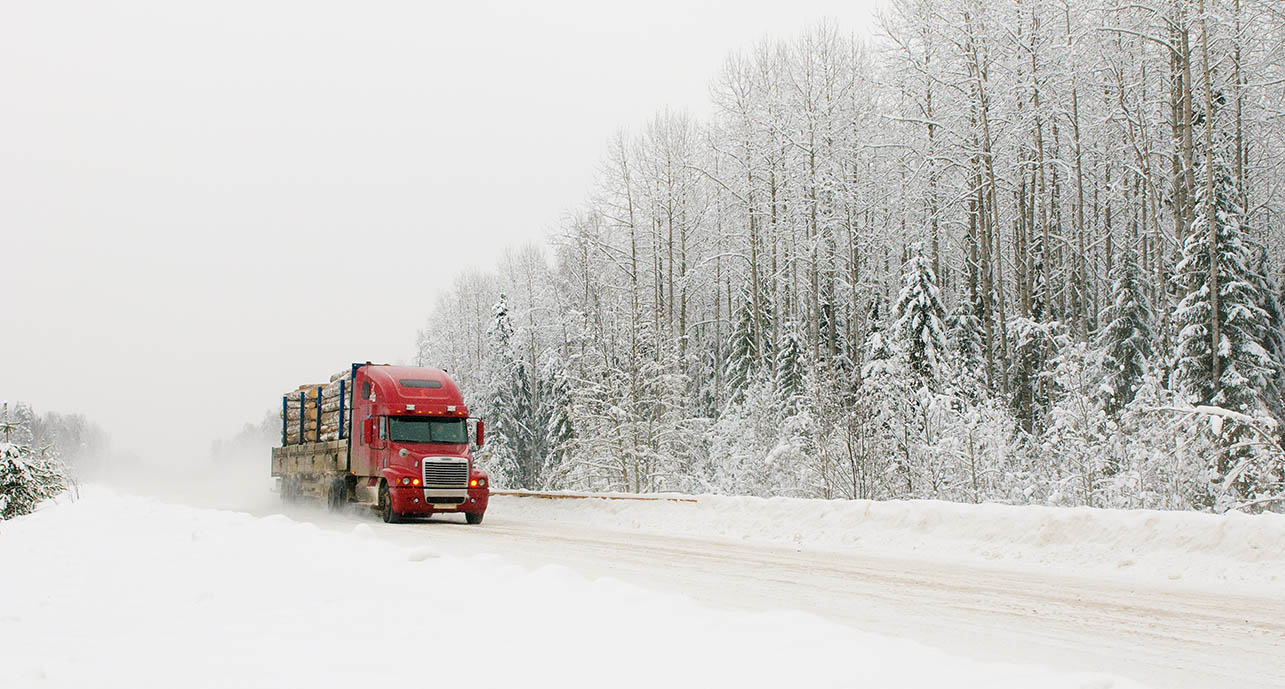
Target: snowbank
point(117, 591)
point(1228, 552)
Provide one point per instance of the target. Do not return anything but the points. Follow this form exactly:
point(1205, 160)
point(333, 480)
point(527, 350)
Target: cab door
point(365, 459)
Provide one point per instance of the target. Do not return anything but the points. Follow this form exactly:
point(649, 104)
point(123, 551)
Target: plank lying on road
point(583, 496)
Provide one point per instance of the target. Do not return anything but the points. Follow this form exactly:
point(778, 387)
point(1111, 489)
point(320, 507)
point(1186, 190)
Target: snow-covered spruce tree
point(22, 422)
point(525, 434)
point(1230, 375)
point(966, 341)
point(748, 348)
point(878, 350)
point(1273, 336)
point(1125, 337)
point(742, 353)
point(556, 408)
point(887, 402)
point(27, 478)
point(1280, 300)
point(1220, 359)
point(920, 315)
point(1280, 381)
point(791, 369)
point(1271, 294)
point(1035, 347)
point(872, 446)
point(505, 384)
point(918, 376)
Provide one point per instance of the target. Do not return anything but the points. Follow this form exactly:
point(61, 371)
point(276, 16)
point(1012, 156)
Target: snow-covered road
point(1164, 636)
point(123, 592)
point(1222, 624)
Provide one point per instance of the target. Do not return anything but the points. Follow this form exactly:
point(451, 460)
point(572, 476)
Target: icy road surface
point(1158, 633)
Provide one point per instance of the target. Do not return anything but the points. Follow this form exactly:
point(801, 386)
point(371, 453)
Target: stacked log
point(328, 420)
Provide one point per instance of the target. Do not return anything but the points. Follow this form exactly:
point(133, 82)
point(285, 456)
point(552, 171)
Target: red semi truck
point(400, 444)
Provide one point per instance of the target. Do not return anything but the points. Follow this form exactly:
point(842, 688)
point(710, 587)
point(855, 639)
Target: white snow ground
point(118, 591)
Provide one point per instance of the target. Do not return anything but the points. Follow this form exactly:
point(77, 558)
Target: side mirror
point(481, 432)
point(368, 430)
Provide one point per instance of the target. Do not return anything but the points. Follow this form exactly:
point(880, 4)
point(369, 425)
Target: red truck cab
point(410, 439)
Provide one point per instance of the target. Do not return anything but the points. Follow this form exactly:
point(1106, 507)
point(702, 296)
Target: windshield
point(417, 429)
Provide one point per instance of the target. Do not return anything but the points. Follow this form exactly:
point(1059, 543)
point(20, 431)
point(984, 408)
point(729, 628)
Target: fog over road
point(1162, 635)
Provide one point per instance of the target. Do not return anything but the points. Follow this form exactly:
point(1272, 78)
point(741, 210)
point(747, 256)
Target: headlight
point(405, 481)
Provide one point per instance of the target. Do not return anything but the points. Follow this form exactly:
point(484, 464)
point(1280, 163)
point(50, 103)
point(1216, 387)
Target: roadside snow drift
point(1227, 552)
point(117, 591)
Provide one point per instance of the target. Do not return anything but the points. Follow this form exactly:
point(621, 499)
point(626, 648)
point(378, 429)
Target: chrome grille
point(445, 473)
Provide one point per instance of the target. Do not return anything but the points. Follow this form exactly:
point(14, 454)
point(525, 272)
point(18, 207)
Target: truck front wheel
point(386, 506)
point(473, 517)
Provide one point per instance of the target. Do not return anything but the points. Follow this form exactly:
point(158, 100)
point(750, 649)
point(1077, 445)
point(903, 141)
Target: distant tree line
point(1023, 251)
point(251, 443)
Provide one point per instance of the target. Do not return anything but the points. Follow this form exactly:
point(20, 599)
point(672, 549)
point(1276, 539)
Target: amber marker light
point(473, 483)
point(414, 482)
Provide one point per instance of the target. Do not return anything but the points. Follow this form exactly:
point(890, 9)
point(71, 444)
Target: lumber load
point(339, 384)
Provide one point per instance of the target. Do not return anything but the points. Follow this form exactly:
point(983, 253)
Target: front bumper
point(426, 501)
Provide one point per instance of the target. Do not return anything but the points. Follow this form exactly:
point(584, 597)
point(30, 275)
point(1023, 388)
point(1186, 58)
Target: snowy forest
point(35, 451)
point(1020, 251)
point(70, 438)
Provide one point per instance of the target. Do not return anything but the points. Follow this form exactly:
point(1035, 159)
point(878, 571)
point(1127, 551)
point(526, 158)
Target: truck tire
point(386, 506)
point(473, 517)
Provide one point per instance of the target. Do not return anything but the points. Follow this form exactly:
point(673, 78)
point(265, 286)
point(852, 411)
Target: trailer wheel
point(386, 506)
point(473, 517)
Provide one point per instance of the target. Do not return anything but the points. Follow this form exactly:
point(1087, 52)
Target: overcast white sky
point(205, 204)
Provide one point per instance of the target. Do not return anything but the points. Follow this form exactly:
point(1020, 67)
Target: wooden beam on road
point(586, 496)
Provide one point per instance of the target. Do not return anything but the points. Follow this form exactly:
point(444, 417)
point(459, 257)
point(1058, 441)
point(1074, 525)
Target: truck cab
point(410, 441)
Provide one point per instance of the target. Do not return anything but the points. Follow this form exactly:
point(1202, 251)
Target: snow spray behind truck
point(408, 456)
